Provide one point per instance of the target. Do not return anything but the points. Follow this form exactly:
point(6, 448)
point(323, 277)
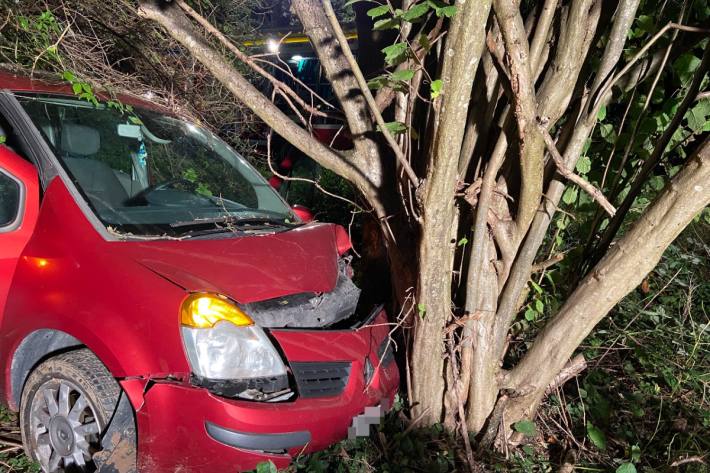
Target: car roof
point(45, 83)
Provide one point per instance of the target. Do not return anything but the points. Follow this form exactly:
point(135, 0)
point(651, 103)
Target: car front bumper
point(185, 428)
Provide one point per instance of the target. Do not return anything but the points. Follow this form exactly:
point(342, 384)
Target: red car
point(162, 309)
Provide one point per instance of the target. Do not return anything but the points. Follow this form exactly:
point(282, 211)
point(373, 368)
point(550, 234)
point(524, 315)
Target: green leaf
point(394, 53)
point(266, 467)
point(68, 76)
point(76, 87)
point(416, 11)
point(570, 195)
point(685, 66)
point(539, 306)
point(530, 314)
point(536, 286)
point(596, 436)
point(436, 87)
point(602, 113)
point(626, 468)
point(699, 116)
point(386, 24)
point(403, 75)
point(3, 139)
point(394, 127)
point(448, 12)
point(463, 241)
point(635, 453)
point(377, 83)
point(378, 11)
point(584, 165)
point(421, 308)
point(607, 132)
point(525, 427)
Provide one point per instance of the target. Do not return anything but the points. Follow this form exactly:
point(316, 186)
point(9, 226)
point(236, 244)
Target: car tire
point(67, 401)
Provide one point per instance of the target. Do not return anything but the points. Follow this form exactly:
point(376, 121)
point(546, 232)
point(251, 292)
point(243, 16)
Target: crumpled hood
point(246, 268)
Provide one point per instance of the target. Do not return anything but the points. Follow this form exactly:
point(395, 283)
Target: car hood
point(246, 268)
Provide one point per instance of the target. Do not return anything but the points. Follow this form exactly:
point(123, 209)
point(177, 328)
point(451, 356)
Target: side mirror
point(304, 213)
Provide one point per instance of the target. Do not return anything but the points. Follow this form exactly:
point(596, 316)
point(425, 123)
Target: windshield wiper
point(235, 222)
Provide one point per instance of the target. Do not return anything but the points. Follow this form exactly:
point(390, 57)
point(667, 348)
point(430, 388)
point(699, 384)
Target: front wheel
point(66, 403)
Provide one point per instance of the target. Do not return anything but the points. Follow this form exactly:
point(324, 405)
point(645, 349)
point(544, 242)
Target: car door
point(19, 207)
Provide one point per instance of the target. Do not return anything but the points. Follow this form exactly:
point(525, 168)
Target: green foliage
point(596, 436)
point(525, 427)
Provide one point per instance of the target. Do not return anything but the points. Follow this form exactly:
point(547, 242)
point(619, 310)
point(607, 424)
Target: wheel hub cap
point(64, 427)
point(61, 435)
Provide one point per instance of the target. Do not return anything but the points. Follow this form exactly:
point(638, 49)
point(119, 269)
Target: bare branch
point(368, 95)
point(180, 28)
point(585, 185)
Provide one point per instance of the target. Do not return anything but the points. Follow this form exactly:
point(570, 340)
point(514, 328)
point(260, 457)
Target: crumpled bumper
point(184, 428)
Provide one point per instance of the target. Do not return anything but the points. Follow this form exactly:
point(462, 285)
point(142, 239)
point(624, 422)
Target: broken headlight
point(222, 342)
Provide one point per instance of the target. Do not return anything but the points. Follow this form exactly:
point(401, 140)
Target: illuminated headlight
point(222, 342)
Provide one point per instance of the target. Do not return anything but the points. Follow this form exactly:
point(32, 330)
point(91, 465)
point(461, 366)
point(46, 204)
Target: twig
point(543, 265)
point(572, 369)
point(278, 85)
point(330, 13)
point(603, 91)
point(585, 185)
point(693, 459)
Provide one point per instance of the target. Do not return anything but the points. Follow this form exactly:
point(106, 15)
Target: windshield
point(146, 173)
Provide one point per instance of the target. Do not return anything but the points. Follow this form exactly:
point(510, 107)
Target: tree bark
point(619, 272)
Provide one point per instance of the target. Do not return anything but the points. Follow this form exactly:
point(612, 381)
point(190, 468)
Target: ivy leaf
point(394, 54)
point(421, 308)
point(403, 75)
point(68, 76)
point(394, 127)
point(76, 88)
point(584, 165)
point(536, 286)
point(635, 453)
point(378, 11)
point(525, 427)
point(416, 11)
point(539, 306)
point(570, 196)
point(436, 87)
point(463, 241)
point(596, 436)
point(626, 468)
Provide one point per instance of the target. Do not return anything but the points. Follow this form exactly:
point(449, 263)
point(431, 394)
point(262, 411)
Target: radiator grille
point(321, 379)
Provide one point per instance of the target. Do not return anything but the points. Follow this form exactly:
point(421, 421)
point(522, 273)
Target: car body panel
point(15, 237)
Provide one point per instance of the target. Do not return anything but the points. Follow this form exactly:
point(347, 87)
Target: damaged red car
point(161, 307)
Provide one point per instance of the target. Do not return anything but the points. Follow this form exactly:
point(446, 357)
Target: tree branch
point(585, 185)
point(180, 28)
point(621, 270)
point(368, 95)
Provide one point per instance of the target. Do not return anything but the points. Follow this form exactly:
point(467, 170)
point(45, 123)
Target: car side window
point(9, 200)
